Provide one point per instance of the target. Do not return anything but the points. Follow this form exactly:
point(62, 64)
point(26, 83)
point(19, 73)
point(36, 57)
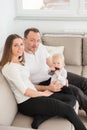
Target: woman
point(31, 101)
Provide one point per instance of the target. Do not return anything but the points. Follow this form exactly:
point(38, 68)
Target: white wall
point(7, 14)
point(8, 23)
point(51, 26)
point(79, 25)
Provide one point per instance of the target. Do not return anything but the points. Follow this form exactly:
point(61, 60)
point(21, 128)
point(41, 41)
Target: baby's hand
point(57, 72)
point(51, 71)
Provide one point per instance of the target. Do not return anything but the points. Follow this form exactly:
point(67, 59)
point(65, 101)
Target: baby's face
point(58, 63)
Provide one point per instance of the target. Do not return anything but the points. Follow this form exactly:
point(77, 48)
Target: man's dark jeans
point(78, 85)
point(79, 88)
point(78, 81)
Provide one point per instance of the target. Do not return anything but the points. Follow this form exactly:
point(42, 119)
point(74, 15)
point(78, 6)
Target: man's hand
point(55, 87)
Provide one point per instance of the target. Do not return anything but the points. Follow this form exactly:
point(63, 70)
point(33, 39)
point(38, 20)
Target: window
point(32, 4)
point(46, 4)
point(83, 7)
point(52, 9)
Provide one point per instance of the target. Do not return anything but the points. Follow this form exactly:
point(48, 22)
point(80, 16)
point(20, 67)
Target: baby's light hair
point(58, 55)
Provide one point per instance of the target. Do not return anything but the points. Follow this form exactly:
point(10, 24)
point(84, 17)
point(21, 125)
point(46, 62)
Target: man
point(38, 60)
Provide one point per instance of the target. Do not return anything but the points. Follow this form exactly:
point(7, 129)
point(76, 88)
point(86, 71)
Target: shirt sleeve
point(62, 77)
point(15, 79)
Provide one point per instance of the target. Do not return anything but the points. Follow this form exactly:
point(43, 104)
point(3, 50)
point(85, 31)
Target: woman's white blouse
point(18, 78)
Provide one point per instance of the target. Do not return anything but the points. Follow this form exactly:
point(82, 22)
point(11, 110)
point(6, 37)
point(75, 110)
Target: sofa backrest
point(72, 46)
point(8, 105)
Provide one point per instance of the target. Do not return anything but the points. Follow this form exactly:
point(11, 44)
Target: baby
point(58, 72)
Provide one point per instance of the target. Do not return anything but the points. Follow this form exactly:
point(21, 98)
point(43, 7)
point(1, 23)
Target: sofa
point(75, 52)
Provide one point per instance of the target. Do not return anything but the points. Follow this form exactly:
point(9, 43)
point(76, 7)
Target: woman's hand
point(32, 93)
point(47, 93)
point(55, 86)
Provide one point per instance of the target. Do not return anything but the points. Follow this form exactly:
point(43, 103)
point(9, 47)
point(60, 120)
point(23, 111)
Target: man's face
point(32, 41)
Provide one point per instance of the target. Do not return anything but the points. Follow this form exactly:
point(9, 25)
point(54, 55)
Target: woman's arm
point(53, 87)
point(33, 93)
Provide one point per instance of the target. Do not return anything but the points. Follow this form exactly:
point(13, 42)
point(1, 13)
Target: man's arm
point(49, 61)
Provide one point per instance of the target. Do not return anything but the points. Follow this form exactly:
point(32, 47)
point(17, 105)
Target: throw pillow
point(55, 49)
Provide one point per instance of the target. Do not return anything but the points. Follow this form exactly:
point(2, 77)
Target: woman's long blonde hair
point(7, 52)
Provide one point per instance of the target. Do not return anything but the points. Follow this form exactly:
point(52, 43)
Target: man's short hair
point(31, 29)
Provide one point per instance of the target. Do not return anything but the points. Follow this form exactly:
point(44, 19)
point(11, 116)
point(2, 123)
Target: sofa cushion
point(50, 124)
point(74, 69)
point(8, 105)
point(84, 71)
point(13, 128)
point(72, 46)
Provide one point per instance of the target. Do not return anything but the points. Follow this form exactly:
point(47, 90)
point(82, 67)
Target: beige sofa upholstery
point(13, 128)
point(73, 49)
point(75, 46)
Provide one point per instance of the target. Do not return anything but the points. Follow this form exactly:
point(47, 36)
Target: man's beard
point(32, 50)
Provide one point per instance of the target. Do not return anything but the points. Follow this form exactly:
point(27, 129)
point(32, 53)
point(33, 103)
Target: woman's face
point(17, 47)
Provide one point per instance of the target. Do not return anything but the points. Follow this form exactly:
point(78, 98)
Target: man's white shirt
point(37, 64)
